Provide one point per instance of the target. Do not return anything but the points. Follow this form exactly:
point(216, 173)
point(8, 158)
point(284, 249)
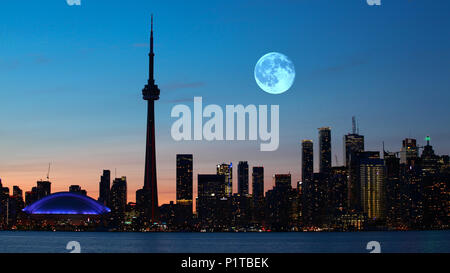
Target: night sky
point(71, 80)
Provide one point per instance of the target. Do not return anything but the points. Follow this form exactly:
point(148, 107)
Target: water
point(292, 242)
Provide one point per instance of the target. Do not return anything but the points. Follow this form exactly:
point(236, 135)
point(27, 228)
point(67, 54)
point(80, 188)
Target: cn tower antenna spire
point(151, 55)
point(151, 33)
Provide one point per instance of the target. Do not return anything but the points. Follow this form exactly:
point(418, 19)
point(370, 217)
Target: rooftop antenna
point(115, 172)
point(353, 125)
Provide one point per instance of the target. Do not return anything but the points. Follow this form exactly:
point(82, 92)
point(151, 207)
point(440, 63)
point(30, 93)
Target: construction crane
point(48, 172)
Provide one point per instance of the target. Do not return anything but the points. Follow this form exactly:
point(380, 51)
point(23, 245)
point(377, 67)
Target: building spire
point(151, 34)
point(353, 125)
point(151, 55)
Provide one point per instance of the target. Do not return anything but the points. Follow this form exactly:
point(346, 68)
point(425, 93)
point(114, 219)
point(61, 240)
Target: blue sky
point(71, 80)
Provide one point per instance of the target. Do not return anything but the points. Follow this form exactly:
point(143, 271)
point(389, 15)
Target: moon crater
point(274, 73)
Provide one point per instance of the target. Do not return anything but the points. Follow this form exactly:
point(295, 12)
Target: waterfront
point(267, 242)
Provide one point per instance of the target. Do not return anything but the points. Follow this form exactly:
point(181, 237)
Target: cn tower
point(150, 94)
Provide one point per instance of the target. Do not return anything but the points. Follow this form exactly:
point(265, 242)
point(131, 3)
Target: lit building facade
point(258, 192)
point(409, 150)
point(118, 201)
point(227, 171)
point(243, 178)
point(373, 187)
point(184, 176)
point(353, 143)
point(105, 188)
point(281, 207)
point(307, 160)
point(213, 204)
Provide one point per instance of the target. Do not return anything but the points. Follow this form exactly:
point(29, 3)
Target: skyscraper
point(15, 205)
point(258, 183)
point(372, 186)
point(243, 178)
point(282, 180)
point(281, 204)
point(429, 159)
point(325, 150)
point(396, 192)
point(118, 200)
point(43, 189)
point(227, 171)
point(409, 150)
point(337, 191)
point(240, 210)
point(307, 160)
point(258, 192)
point(184, 180)
point(353, 143)
point(213, 207)
point(17, 192)
point(31, 196)
point(354, 181)
point(4, 201)
point(105, 188)
point(353, 149)
point(211, 185)
point(313, 199)
point(435, 188)
point(150, 94)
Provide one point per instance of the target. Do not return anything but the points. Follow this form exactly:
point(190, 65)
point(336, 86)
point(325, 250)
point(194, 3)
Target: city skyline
point(374, 190)
point(83, 114)
point(267, 183)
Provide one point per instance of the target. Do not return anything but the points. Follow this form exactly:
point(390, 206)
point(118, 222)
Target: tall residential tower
point(325, 150)
point(243, 178)
point(184, 180)
point(307, 160)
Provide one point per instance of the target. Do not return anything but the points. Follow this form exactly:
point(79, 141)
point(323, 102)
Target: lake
point(266, 242)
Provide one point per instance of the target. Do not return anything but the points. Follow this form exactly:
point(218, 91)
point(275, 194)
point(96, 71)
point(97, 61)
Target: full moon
point(274, 73)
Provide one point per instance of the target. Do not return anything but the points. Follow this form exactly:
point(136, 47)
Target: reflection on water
point(295, 242)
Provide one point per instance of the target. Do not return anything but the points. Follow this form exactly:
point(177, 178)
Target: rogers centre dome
point(66, 203)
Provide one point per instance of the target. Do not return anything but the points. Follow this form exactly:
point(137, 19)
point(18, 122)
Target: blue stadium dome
point(66, 203)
